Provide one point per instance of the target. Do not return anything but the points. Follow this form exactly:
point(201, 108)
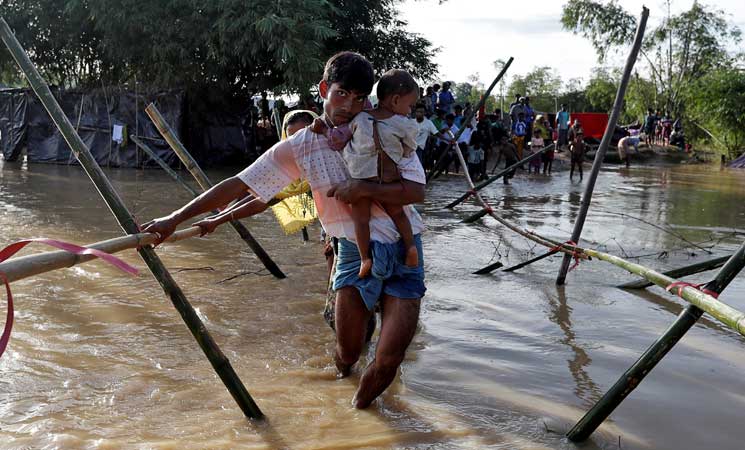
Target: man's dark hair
point(435, 87)
point(419, 105)
point(396, 82)
point(450, 116)
point(351, 71)
point(458, 107)
point(439, 112)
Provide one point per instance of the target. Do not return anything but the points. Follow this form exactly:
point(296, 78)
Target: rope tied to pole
point(15, 247)
point(576, 253)
point(680, 285)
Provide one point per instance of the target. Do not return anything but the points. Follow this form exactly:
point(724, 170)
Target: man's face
point(450, 122)
point(419, 114)
point(340, 105)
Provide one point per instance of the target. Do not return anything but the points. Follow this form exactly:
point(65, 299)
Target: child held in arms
point(380, 138)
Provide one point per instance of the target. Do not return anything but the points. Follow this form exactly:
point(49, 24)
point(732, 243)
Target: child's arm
point(246, 207)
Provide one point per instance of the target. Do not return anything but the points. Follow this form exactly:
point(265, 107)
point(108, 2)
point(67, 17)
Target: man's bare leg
point(400, 317)
point(351, 319)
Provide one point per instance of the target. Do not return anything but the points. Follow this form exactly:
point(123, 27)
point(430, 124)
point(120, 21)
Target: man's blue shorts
point(390, 275)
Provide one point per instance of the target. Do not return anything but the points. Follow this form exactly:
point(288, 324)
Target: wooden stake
point(499, 175)
point(605, 143)
point(218, 360)
point(654, 354)
point(205, 183)
point(680, 272)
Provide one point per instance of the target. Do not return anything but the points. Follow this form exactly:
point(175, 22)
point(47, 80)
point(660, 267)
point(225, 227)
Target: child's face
point(340, 105)
point(404, 104)
point(295, 127)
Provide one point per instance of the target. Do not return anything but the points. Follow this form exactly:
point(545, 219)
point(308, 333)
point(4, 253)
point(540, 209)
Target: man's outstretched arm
point(216, 197)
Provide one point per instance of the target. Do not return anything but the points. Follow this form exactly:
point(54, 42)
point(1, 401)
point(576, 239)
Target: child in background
point(536, 144)
point(475, 156)
point(578, 153)
point(381, 138)
point(519, 130)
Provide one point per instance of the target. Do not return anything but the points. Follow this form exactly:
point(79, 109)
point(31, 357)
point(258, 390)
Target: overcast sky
point(474, 33)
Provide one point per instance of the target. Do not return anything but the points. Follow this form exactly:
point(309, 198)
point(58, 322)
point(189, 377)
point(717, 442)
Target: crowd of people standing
point(491, 137)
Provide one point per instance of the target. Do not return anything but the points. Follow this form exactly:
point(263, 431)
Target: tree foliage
point(471, 92)
point(541, 84)
point(230, 45)
point(717, 103)
point(680, 50)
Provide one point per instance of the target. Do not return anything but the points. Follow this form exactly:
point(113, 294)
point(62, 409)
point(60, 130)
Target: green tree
point(683, 48)
point(471, 92)
point(717, 104)
point(231, 46)
point(540, 84)
point(601, 90)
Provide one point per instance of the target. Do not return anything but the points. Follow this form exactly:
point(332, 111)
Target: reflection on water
point(501, 361)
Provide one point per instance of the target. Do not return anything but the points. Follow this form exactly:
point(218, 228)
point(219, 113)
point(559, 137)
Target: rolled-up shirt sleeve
point(271, 172)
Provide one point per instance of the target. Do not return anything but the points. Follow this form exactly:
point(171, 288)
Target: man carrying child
point(347, 81)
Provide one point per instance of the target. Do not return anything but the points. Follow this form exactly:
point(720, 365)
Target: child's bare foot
point(365, 268)
point(412, 257)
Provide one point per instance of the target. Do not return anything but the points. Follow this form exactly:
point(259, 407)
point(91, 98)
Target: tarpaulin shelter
point(217, 131)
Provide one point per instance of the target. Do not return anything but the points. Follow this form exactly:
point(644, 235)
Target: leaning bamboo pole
point(499, 175)
point(605, 143)
point(164, 165)
point(205, 184)
point(126, 221)
point(648, 360)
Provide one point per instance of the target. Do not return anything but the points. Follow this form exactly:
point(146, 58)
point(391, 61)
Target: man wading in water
point(347, 81)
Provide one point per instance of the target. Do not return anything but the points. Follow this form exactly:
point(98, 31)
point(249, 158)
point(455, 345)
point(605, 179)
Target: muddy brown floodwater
point(505, 361)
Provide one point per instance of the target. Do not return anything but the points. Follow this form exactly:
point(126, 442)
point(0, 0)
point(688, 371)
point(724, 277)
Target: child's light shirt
point(536, 143)
point(397, 137)
point(307, 155)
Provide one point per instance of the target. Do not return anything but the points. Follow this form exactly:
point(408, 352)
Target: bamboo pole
point(164, 165)
point(530, 261)
point(499, 175)
point(605, 143)
point(27, 266)
point(488, 269)
point(127, 222)
point(205, 184)
point(654, 354)
point(680, 272)
point(468, 118)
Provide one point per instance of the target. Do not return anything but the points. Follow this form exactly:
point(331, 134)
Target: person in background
point(445, 146)
point(515, 110)
point(463, 140)
point(649, 127)
point(529, 116)
point(445, 100)
point(429, 107)
point(425, 130)
point(574, 129)
point(508, 151)
point(519, 131)
point(475, 156)
point(624, 152)
point(562, 125)
point(577, 150)
point(536, 144)
point(458, 112)
point(264, 105)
